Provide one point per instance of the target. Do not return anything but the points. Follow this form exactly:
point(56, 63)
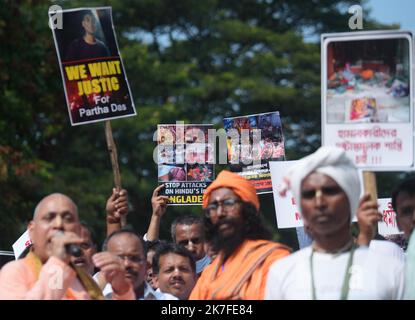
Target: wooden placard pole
point(112, 149)
point(369, 184)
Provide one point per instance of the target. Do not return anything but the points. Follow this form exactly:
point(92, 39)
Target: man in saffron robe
point(47, 272)
point(234, 229)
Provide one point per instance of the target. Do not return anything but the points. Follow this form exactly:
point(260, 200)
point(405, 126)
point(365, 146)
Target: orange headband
point(239, 185)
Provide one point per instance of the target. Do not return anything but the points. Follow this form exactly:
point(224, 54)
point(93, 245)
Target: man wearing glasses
point(129, 247)
point(234, 229)
point(186, 230)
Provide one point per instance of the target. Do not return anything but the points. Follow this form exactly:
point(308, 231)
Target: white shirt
point(374, 276)
point(201, 264)
point(388, 248)
point(149, 293)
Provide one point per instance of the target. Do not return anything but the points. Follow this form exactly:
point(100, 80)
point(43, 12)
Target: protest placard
point(95, 83)
point(367, 106)
point(21, 244)
point(286, 209)
point(252, 142)
point(388, 225)
point(185, 161)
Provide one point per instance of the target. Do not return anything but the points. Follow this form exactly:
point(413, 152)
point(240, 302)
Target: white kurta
point(374, 276)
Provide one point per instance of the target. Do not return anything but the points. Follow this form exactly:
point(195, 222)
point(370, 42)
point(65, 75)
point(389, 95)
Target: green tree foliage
point(195, 61)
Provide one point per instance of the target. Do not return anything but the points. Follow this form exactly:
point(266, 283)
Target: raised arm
point(367, 217)
point(159, 205)
point(117, 206)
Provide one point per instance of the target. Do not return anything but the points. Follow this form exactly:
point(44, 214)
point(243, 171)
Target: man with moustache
point(129, 248)
point(47, 272)
point(175, 270)
point(326, 186)
point(88, 249)
point(116, 208)
point(151, 248)
point(234, 229)
point(186, 230)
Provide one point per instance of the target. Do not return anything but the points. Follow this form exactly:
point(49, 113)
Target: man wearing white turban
point(326, 186)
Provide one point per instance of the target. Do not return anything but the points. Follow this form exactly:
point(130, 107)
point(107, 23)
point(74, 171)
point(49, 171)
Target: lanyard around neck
point(346, 280)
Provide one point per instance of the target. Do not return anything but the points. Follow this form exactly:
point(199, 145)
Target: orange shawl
point(242, 276)
point(27, 278)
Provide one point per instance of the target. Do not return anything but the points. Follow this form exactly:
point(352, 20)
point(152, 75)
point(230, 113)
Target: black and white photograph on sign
point(368, 81)
point(95, 82)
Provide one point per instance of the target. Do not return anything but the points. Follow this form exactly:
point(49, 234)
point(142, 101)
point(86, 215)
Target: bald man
point(47, 272)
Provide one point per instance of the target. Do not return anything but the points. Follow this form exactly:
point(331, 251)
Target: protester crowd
point(227, 252)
